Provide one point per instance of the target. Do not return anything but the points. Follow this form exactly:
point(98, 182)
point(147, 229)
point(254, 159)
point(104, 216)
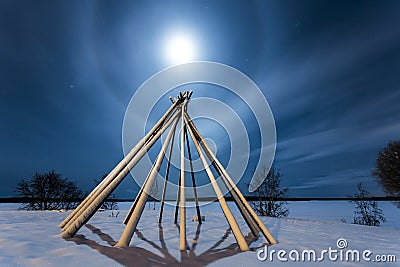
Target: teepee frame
point(177, 112)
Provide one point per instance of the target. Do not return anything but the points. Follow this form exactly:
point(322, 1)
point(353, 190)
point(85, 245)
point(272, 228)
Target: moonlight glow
point(180, 49)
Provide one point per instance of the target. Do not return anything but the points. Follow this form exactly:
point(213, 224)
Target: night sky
point(329, 70)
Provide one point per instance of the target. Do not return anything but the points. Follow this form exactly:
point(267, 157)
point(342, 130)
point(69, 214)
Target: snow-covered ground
point(335, 211)
point(32, 239)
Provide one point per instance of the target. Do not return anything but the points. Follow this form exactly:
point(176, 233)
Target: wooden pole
point(182, 224)
point(166, 178)
point(227, 212)
point(129, 214)
point(232, 185)
point(193, 180)
point(136, 199)
point(137, 212)
point(191, 165)
point(178, 196)
point(245, 214)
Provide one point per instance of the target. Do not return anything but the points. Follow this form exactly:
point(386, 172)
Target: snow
point(334, 211)
point(31, 238)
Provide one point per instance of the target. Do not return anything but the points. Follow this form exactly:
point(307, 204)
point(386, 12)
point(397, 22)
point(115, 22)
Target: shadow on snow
point(137, 256)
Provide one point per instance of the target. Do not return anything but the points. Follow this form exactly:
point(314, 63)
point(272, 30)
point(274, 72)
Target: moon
point(180, 49)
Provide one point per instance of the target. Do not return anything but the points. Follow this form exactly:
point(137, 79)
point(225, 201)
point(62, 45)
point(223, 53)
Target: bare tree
point(269, 193)
point(49, 191)
point(367, 211)
point(387, 169)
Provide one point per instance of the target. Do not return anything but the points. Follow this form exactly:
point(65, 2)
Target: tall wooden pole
point(191, 166)
point(166, 179)
point(227, 212)
point(137, 212)
point(182, 221)
point(178, 197)
point(129, 214)
point(232, 185)
point(193, 180)
point(246, 215)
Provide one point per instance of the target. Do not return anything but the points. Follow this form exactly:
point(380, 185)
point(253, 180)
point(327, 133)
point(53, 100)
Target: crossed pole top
point(186, 95)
